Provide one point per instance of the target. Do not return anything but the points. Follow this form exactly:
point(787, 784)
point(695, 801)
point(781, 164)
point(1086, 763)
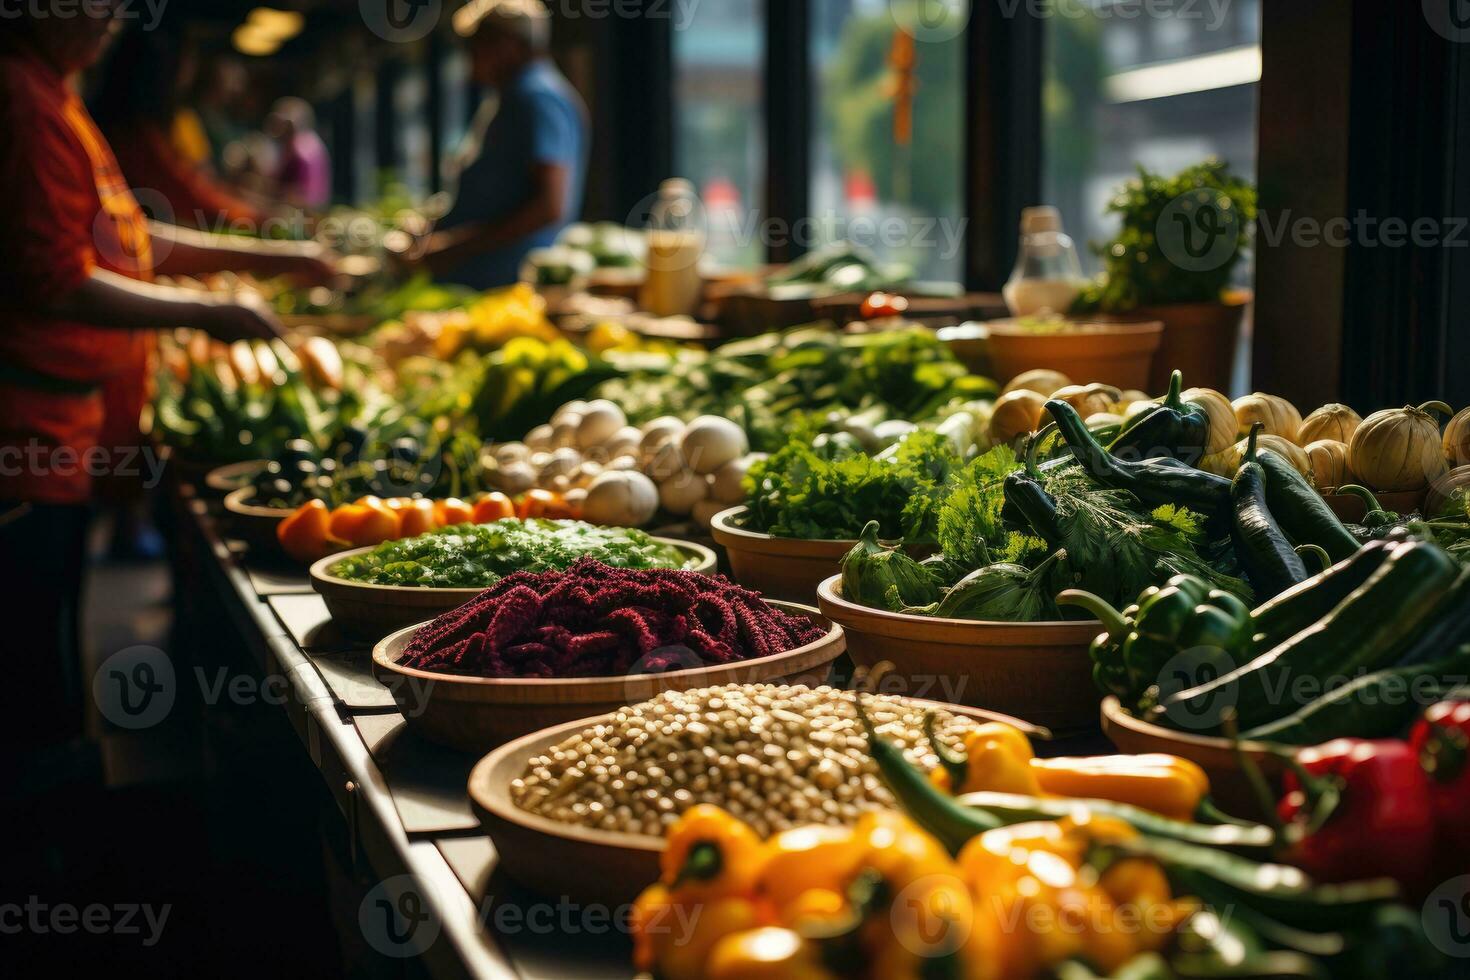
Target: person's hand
point(313, 265)
point(244, 317)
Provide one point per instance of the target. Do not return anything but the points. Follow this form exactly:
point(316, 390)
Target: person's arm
point(446, 250)
point(105, 299)
point(184, 252)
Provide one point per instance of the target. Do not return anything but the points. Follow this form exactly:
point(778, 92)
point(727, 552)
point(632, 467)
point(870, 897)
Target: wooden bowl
point(782, 568)
point(1119, 354)
point(1215, 755)
point(370, 612)
point(1039, 671)
point(584, 864)
point(479, 713)
point(224, 480)
point(256, 526)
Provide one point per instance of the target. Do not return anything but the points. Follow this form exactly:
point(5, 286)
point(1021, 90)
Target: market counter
point(408, 824)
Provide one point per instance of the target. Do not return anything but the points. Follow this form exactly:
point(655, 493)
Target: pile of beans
point(774, 756)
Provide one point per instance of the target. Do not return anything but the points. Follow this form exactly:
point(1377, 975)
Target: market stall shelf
point(369, 612)
point(479, 713)
point(1038, 671)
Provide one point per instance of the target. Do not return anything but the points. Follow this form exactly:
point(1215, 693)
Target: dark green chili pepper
point(1269, 560)
point(1175, 428)
point(1024, 493)
point(1154, 481)
point(1301, 510)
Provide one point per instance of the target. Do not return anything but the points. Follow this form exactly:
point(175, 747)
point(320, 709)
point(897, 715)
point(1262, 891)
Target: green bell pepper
point(1186, 613)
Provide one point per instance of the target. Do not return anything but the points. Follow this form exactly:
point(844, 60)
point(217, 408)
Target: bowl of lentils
point(581, 808)
point(543, 648)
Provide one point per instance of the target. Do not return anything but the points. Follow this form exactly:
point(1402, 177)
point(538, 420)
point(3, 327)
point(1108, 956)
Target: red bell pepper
point(1441, 743)
point(1356, 808)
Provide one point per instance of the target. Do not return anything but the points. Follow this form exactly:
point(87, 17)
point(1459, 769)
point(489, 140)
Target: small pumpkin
point(1457, 440)
point(1138, 408)
point(1224, 428)
point(1226, 463)
point(1088, 399)
point(1332, 421)
point(1102, 420)
point(1126, 398)
point(1040, 380)
point(1447, 493)
point(1399, 448)
point(1276, 414)
point(1015, 414)
point(1329, 462)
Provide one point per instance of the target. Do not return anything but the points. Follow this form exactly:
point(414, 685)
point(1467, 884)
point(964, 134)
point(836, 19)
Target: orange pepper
point(544, 503)
point(306, 534)
point(492, 507)
point(415, 518)
point(396, 504)
point(452, 510)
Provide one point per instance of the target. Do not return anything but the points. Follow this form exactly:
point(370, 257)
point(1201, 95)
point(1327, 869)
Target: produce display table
point(403, 800)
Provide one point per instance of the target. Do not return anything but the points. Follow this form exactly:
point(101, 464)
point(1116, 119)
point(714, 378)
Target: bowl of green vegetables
point(377, 590)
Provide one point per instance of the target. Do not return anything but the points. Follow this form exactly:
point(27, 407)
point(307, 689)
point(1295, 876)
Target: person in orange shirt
point(77, 258)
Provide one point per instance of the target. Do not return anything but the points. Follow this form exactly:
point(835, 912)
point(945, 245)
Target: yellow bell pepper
point(771, 953)
point(710, 854)
point(1035, 875)
point(997, 759)
point(808, 860)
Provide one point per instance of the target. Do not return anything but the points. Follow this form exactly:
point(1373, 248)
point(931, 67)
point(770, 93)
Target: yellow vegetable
point(1015, 414)
point(1329, 462)
point(1278, 415)
point(1457, 439)
point(1226, 463)
point(1039, 380)
point(1399, 448)
point(1089, 399)
point(1217, 408)
point(1332, 421)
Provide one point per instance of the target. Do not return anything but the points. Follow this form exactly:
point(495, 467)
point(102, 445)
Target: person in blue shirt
point(521, 170)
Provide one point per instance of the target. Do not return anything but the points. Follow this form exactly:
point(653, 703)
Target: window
point(898, 193)
point(1155, 84)
point(719, 129)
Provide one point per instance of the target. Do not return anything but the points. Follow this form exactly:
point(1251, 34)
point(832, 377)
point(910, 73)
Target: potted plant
point(1180, 242)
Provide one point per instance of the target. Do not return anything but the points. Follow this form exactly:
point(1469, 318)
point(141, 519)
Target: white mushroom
point(601, 420)
point(621, 498)
point(711, 441)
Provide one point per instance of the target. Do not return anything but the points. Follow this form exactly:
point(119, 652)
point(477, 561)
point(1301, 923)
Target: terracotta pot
point(256, 526)
point(1038, 671)
point(1229, 786)
point(1200, 339)
point(782, 568)
point(1118, 354)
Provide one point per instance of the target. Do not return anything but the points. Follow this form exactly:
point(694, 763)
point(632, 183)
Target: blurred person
point(138, 108)
point(77, 257)
point(304, 167)
point(521, 170)
point(217, 94)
